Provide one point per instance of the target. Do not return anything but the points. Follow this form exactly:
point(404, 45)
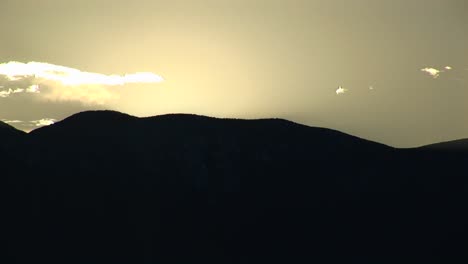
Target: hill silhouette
point(450, 146)
point(8, 132)
point(10, 138)
point(107, 187)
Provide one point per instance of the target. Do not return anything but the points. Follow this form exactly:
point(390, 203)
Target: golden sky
point(390, 71)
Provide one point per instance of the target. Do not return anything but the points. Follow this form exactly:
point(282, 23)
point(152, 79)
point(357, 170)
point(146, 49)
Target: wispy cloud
point(435, 72)
point(29, 125)
point(31, 89)
point(341, 90)
point(43, 122)
point(12, 121)
point(432, 71)
point(60, 83)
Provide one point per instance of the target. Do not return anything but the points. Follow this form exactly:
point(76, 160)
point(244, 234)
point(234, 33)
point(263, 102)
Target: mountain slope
point(191, 142)
point(7, 132)
point(10, 137)
point(106, 187)
point(460, 145)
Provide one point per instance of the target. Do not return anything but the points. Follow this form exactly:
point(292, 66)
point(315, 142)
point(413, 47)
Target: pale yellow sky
point(255, 58)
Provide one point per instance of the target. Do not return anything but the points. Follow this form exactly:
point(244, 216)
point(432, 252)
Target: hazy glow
point(448, 67)
point(341, 90)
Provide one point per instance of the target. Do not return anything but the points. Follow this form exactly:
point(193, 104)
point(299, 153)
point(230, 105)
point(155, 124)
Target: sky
point(395, 72)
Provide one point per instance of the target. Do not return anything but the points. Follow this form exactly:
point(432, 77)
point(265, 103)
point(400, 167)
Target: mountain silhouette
point(450, 146)
point(10, 137)
point(8, 132)
point(107, 187)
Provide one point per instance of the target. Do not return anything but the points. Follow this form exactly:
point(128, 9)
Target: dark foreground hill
point(105, 187)
point(9, 135)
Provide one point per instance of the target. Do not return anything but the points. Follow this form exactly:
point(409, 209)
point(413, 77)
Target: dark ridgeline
point(106, 187)
point(9, 135)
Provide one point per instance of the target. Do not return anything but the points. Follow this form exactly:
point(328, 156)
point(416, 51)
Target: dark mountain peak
point(186, 116)
point(98, 115)
point(5, 128)
point(4, 125)
point(88, 120)
point(180, 116)
point(198, 119)
point(9, 135)
point(91, 124)
point(191, 120)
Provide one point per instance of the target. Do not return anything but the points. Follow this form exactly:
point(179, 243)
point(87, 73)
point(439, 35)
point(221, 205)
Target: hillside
point(9, 131)
point(10, 137)
point(106, 187)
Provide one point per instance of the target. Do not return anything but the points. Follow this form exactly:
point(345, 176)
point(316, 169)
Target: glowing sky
point(402, 65)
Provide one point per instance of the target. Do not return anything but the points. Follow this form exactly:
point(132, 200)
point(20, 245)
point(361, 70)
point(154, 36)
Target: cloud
point(341, 90)
point(60, 83)
point(43, 122)
point(12, 121)
point(432, 71)
point(435, 72)
point(29, 125)
point(31, 89)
